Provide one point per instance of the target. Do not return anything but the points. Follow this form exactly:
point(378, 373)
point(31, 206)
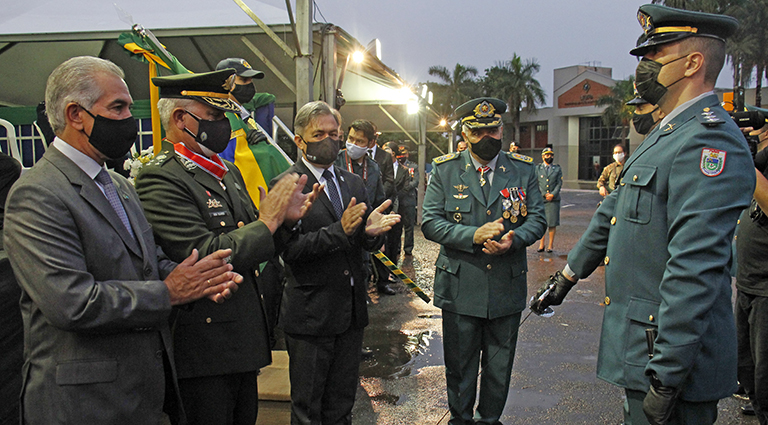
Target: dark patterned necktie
point(105, 181)
point(485, 183)
point(333, 193)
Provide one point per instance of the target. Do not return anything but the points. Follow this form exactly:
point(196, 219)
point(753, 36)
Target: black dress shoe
point(748, 410)
point(386, 290)
point(549, 251)
point(540, 250)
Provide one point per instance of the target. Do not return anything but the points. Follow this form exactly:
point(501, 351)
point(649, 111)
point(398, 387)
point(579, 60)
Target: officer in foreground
point(668, 333)
point(484, 208)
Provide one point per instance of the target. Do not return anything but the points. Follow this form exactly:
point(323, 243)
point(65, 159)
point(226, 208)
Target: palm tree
point(617, 112)
point(457, 86)
point(514, 82)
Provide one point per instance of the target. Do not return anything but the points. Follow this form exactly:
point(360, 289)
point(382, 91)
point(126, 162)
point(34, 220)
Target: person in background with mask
point(664, 236)
point(461, 146)
point(483, 207)
point(610, 175)
point(550, 183)
point(354, 158)
point(513, 148)
point(645, 116)
point(258, 160)
point(324, 310)
point(196, 201)
point(96, 290)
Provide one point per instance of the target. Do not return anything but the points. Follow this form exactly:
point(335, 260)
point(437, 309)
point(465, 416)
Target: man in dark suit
point(323, 310)
point(403, 180)
point(360, 134)
point(94, 305)
point(408, 197)
point(194, 200)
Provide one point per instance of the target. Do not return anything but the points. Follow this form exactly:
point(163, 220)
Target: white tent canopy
point(38, 35)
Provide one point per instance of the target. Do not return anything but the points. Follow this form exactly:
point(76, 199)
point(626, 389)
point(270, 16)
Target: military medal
point(457, 217)
point(482, 171)
point(515, 202)
point(506, 204)
point(523, 204)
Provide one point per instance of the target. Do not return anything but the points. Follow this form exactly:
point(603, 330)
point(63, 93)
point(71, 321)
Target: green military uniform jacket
point(468, 281)
point(550, 180)
point(665, 238)
point(188, 208)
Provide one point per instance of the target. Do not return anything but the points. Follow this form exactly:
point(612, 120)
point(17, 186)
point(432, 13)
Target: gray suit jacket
point(94, 308)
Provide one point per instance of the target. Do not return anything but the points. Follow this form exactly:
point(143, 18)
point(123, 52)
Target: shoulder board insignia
point(523, 158)
point(160, 158)
point(447, 157)
point(189, 165)
point(709, 118)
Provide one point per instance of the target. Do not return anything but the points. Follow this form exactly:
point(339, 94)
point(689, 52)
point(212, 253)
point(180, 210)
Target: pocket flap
point(445, 263)
point(86, 372)
point(643, 311)
point(640, 175)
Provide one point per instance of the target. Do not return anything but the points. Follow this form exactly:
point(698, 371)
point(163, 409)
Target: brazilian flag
point(258, 163)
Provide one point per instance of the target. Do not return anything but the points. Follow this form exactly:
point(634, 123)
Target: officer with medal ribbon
point(480, 276)
point(196, 200)
point(665, 233)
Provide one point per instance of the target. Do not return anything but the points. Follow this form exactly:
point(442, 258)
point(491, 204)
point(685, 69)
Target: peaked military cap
point(481, 112)
point(547, 150)
point(241, 67)
point(662, 25)
point(636, 101)
point(211, 88)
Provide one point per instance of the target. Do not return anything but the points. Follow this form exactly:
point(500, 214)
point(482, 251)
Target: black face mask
point(486, 148)
point(646, 80)
point(214, 135)
point(322, 153)
point(644, 122)
point(113, 138)
point(244, 92)
point(549, 160)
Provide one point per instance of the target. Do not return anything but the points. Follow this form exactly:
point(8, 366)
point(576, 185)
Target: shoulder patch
point(519, 157)
point(710, 117)
point(712, 162)
point(446, 157)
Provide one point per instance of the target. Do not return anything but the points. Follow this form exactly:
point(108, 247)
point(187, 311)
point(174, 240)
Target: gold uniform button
point(488, 212)
point(650, 318)
point(607, 301)
point(488, 267)
point(634, 178)
point(607, 260)
point(613, 220)
point(223, 224)
point(457, 208)
point(208, 320)
point(622, 183)
point(738, 221)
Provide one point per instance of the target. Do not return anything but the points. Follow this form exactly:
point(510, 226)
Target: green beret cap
point(481, 112)
point(211, 88)
point(662, 25)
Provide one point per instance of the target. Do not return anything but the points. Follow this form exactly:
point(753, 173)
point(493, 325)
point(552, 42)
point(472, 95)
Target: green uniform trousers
point(466, 338)
point(686, 412)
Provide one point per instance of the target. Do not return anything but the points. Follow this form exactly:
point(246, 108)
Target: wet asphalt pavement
point(553, 380)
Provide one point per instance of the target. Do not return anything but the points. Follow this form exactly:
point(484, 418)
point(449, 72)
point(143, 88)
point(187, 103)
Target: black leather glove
point(558, 286)
point(255, 136)
point(660, 402)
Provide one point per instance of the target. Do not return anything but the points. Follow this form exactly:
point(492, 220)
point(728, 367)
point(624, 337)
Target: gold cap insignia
point(484, 110)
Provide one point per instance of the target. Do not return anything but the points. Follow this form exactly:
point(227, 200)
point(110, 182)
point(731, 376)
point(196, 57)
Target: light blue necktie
point(105, 181)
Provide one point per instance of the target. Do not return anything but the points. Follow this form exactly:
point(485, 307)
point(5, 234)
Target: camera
point(754, 119)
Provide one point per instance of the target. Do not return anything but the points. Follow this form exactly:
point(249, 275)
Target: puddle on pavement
point(397, 354)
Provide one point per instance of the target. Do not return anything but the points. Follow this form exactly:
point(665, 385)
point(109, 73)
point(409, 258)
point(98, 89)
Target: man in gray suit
point(96, 292)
